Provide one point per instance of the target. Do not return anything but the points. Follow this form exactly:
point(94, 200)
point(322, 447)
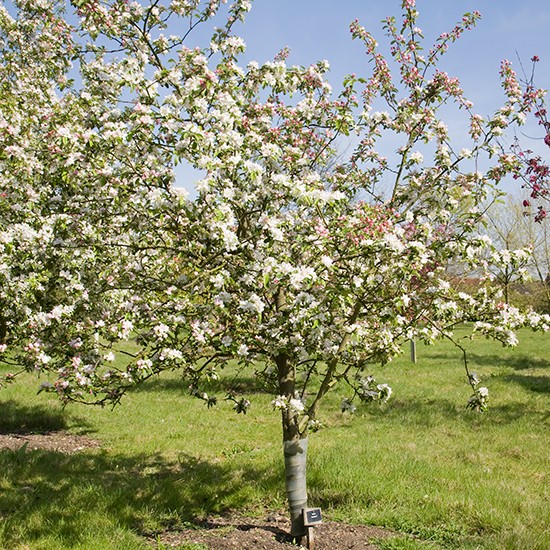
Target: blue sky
point(318, 29)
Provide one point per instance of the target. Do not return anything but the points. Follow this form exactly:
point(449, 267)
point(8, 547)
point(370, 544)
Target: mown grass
point(439, 475)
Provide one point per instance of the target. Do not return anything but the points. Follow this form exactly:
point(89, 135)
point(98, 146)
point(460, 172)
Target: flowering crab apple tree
point(300, 265)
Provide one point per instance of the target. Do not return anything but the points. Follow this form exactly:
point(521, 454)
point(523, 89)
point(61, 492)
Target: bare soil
point(270, 533)
point(218, 533)
point(59, 441)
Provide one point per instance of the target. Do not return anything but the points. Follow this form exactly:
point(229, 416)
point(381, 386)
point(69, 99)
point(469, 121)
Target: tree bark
point(294, 442)
point(295, 451)
point(3, 330)
point(296, 485)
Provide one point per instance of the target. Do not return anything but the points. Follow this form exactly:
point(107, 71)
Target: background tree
point(512, 228)
point(508, 232)
point(299, 268)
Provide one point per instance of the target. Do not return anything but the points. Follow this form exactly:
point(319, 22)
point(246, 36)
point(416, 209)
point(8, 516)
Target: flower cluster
point(293, 404)
point(367, 389)
point(480, 398)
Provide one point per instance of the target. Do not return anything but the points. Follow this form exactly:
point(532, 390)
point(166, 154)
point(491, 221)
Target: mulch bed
point(58, 441)
point(271, 533)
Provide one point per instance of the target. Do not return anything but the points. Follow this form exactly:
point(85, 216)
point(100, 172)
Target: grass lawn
point(423, 465)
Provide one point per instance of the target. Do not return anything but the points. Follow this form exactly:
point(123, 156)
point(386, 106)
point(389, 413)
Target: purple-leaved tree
point(532, 168)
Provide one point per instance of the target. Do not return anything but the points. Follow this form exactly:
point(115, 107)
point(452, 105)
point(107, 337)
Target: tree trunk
point(295, 450)
point(3, 330)
point(296, 488)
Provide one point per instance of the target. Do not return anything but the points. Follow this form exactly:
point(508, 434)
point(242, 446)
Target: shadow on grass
point(538, 384)
point(47, 494)
point(20, 419)
point(16, 418)
point(431, 412)
point(512, 360)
